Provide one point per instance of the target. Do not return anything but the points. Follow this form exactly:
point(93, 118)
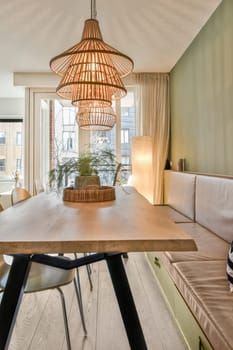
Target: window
point(124, 135)
point(2, 164)
point(11, 131)
point(18, 138)
point(2, 137)
point(18, 164)
point(66, 140)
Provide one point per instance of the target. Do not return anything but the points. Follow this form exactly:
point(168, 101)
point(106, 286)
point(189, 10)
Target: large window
point(66, 140)
point(64, 133)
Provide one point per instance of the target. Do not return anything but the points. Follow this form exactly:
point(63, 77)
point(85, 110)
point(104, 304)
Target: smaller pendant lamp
point(96, 118)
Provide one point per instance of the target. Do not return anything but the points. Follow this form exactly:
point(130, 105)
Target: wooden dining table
point(46, 224)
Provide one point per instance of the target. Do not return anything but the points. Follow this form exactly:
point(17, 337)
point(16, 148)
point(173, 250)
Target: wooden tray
point(95, 194)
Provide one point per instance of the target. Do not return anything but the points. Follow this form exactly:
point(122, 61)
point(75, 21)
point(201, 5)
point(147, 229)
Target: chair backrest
point(19, 194)
point(1, 208)
point(214, 205)
point(179, 192)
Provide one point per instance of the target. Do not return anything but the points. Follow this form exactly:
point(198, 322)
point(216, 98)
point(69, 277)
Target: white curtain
point(153, 119)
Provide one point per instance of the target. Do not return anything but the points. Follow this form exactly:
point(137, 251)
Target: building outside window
point(125, 160)
point(68, 115)
point(2, 137)
point(2, 165)
point(69, 141)
point(18, 138)
point(124, 135)
point(11, 151)
point(18, 164)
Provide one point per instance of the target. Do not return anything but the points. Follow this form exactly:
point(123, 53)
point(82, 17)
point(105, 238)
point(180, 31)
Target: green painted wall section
point(202, 98)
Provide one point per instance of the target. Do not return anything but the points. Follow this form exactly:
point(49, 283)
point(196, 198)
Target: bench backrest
point(214, 205)
point(179, 192)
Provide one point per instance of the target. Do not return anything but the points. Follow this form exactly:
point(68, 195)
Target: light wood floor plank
point(39, 324)
point(162, 321)
point(27, 320)
point(90, 302)
point(111, 334)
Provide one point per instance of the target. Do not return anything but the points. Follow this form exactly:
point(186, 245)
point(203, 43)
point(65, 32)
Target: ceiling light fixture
point(91, 70)
point(96, 118)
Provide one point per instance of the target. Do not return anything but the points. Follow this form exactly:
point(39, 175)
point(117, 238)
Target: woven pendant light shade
point(91, 70)
point(92, 41)
point(96, 118)
point(91, 73)
point(91, 77)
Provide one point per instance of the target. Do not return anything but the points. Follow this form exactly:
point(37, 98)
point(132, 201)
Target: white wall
point(12, 107)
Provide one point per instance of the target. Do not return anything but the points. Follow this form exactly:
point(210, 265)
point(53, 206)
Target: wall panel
point(202, 98)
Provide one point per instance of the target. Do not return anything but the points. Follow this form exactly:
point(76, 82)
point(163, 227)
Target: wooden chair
point(19, 194)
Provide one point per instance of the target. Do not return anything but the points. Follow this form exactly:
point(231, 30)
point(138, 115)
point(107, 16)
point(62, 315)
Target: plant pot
point(83, 182)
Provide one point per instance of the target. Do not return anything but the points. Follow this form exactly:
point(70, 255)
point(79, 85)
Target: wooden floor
point(39, 323)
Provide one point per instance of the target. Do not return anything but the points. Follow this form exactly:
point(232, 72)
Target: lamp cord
point(93, 9)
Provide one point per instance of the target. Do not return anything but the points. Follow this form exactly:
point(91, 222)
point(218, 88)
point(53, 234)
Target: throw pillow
point(230, 267)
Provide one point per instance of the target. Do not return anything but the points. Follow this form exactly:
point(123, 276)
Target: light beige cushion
point(172, 214)
point(205, 289)
point(209, 245)
point(214, 205)
point(179, 192)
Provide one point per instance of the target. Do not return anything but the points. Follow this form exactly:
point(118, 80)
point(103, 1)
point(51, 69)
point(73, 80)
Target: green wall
point(202, 98)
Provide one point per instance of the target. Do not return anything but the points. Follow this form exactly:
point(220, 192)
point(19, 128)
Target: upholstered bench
point(194, 283)
point(204, 288)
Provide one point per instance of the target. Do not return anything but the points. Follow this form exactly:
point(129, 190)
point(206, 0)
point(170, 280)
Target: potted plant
point(86, 169)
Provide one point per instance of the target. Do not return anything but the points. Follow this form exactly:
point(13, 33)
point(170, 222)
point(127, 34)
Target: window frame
point(33, 166)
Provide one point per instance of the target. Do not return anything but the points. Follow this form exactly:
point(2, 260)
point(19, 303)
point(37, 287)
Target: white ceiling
point(154, 33)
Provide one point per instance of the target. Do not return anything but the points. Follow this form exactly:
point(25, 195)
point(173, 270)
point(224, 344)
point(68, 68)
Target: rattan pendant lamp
point(91, 71)
point(96, 118)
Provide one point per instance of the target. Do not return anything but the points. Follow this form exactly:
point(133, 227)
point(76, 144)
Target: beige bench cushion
point(209, 245)
point(214, 205)
point(204, 286)
point(172, 214)
point(179, 192)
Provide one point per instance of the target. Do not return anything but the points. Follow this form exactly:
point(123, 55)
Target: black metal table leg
point(126, 302)
point(12, 297)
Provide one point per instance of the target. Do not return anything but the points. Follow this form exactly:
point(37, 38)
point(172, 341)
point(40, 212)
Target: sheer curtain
point(153, 119)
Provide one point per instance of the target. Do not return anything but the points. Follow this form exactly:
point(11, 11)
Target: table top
point(46, 224)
